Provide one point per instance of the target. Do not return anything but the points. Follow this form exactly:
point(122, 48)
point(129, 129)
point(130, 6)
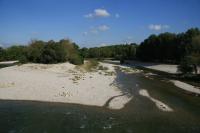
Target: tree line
point(182, 48)
point(125, 51)
point(44, 52)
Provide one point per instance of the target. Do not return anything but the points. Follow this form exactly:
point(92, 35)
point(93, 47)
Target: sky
point(92, 23)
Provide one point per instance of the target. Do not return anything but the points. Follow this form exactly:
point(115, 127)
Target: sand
point(165, 68)
point(61, 83)
point(186, 87)
point(156, 66)
point(160, 105)
point(8, 62)
point(66, 83)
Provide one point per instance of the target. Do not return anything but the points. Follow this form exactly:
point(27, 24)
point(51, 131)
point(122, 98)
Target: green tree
point(191, 62)
point(16, 53)
point(35, 50)
point(84, 52)
point(185, 66)
point(2, 52)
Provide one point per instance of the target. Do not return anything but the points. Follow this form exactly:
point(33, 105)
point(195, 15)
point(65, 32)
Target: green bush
point(35, 50)
point(54, 52)
point(76, 59)
point(48, 56)
point(2, 51)
point(103, 68)
point(44, 52)
point(185, 66)
point(23, 59)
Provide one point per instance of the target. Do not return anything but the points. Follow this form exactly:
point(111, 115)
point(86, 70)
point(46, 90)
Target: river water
point(140, 115)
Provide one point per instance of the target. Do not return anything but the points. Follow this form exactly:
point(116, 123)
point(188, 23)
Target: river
point(140, 115)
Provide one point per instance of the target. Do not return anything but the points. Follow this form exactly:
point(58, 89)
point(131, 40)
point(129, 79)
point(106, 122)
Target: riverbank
point(164, 69)
point(8, 62)
point(168, 68)
point(67, 83)
point(63, 82)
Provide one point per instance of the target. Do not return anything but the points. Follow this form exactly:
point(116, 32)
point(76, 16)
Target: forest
point(181, 48)
point(44, 52)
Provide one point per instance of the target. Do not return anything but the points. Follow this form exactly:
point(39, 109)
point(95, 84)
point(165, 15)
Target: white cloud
point(103, 28)
point(100, 13)
point(154, 27)
point(166, 26)
point(158, 27)
point(85, 33)
point(103, 44)
point(96, 30)
point(90, 15)
point(117, 15)
point(34, 33)
point(128, 39)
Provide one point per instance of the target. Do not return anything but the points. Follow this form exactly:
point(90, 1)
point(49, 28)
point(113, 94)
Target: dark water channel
point(140, 115)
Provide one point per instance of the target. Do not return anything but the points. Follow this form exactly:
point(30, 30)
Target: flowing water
point(140, 115)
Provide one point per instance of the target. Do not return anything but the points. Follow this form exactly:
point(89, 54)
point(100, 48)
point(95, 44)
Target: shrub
point(103, 68)
point(48, 56)
point(185, 66)
point(54, 52)
point(76, 59)
point(2, 52)
point(23, 59)
point(35, 50)
point(44, 52)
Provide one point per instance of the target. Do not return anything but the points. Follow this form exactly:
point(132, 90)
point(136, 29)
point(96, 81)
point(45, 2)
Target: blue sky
point(94, 22)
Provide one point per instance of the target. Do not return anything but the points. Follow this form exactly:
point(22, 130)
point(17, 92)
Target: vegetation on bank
point(125, 51)
point(182, 49)
point(44, 52)
point(90, 65)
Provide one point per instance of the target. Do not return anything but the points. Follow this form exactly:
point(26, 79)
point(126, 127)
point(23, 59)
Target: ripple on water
point(12, 131)
point(107, 126)
point(68, 113)
point(82, 126)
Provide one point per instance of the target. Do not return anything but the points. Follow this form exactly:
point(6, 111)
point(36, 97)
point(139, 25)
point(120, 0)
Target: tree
point(125, 51)
point(54, 52)
point(2, 52)
point(168, 47)
point(48, 54)
point(16, 53)
point(186, 66)
point(191, 62)
point(35, 50)
point(84, 52)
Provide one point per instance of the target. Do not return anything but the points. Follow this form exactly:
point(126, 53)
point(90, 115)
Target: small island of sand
point(62, 82)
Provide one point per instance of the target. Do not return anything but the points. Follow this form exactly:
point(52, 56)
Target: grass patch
point(8, 65)
point(127, 69)
point(109, 73)
point(102, 68)
point(89, 66)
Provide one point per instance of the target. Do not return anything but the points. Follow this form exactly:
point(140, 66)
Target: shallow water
point(140, 115)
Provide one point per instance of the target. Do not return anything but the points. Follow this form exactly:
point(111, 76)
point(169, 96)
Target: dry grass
point(102, 68)
point(6, 85)
point(89, 66)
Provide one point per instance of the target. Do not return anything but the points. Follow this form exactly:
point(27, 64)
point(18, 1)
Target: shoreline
point(61, 83)
point(186, 87)
point(66, 83)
